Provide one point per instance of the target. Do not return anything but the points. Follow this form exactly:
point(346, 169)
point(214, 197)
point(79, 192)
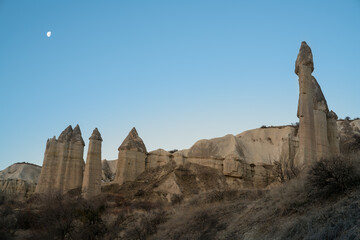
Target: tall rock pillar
point(318, 136)
point(131, 160)
point(48, 175)
point(91, 185)
point(303, 68)
point(62, 156)
point(74, 170)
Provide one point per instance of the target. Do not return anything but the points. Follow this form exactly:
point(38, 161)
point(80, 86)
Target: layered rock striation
point(63, 163)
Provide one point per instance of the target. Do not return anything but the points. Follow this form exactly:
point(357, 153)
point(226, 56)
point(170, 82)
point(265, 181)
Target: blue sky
point(178, 71)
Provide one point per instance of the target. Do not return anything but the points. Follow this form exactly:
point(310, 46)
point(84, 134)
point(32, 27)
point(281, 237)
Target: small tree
point(332, 176)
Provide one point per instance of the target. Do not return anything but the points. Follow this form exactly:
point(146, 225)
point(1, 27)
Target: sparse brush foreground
point(324, 203)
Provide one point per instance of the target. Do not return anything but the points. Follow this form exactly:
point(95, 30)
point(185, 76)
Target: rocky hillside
point(260, 147)
point(19, 178)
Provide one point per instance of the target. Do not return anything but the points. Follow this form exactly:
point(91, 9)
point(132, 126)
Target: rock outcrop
point(252, 159)
point(63, 163)
point(131, 159)
point(91, 185)
point(157, 158)
point(19, 179)
point(108, 170)
point(316, 129)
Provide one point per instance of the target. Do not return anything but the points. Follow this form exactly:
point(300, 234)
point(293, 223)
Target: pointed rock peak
point(332, 115)
point(96, 135)
point(66, 134)
point(133, 142)
point(304, 58)
point(76, 135)
point(133, 133)
point(77, 129)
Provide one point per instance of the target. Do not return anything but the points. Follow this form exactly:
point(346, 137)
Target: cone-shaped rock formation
point(92, 176)
point(131, 159)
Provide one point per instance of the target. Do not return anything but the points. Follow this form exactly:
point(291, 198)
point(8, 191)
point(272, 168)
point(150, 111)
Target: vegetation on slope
point(322, 204)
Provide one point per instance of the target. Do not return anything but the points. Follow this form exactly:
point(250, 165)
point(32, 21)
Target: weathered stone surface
point(133, 143)
point(63, 162)
point(108, 170)
point(17, 187)
point(131, 159)
point(158, 158)
point(317, 140)
point(75, 162)
point(216, 148)
point(179, 157)
point(19, 180)
point(49, 172)
point(91, 185)
point(303, 68)
point(333, 133)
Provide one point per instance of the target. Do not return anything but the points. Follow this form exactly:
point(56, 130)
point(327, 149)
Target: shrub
point(332, 176)
point(2, 198)
point(7, 223)
point(147, 225)
point(176, 199)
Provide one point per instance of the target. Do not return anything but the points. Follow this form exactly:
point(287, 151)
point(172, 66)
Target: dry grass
point(292, 210)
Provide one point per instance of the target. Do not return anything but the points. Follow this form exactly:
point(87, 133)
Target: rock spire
point(91, 185)
point(316, 127)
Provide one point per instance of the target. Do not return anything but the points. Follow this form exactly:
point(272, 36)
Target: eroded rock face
point(108, 170)
point(317, 133)
point(63, 163)
point(303, 68)
point(158, 158)
point(91, 185)
point(131, 159)
point(19, 179)
point(333, 133)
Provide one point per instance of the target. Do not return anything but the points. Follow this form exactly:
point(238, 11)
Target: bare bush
point(177, 199)
point(147, 225)
point(332, 176)
point(7, 223)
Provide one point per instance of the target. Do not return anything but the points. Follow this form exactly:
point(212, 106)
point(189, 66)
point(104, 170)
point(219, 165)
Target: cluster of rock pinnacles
point(64, 169)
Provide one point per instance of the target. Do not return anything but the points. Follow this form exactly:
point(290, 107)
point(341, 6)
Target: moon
point(48, 34)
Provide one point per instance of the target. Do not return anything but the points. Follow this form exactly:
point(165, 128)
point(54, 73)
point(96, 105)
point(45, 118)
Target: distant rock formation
point(317, 134)
point(131, 159)
point(19, 179)
point(108, 170)
point(252, 159)
point(91, 185)
point(63, 163)
point(158, 158)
